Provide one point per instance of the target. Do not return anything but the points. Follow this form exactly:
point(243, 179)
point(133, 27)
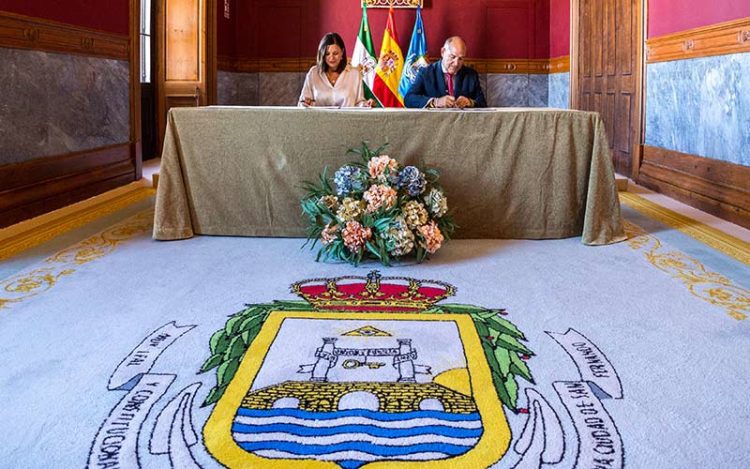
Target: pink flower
point(329, 234)
point(378, 164)
point(379, 195)
point(355, 235)
point(433, 238)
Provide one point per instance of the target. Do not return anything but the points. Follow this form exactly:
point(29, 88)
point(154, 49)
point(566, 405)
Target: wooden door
point(606, 72)
point(148, 93)
point(186, 56)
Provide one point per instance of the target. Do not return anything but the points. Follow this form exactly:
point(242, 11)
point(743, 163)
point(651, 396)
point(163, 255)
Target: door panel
point(183, 52)
point(625, 106)
point(608, 66)
point(186, 56)
point(609, 118)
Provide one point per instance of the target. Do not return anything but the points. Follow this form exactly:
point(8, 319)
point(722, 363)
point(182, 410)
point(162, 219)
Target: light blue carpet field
point(119, 351)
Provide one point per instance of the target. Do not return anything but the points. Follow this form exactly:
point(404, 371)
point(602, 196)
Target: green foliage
point(500, 341)
point(326, 225)
point(229, 344)
point(366, 154)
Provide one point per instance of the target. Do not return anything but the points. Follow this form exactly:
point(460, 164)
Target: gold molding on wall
point(510, 66)
point(266, 65)
point(559, 64)
point(393, 3)
point(25, 32)
point(730, 37)
point(303, 64)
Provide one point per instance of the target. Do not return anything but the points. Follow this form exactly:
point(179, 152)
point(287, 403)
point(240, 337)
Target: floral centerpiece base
point(377, 209)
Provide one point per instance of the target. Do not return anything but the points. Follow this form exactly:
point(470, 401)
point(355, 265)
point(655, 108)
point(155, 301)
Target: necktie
point(449, 82)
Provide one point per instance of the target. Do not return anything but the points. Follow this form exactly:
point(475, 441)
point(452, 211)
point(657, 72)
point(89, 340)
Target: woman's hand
point(367, 103)
point(308, 102)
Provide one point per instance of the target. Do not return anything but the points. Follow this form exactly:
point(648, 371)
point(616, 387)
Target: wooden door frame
point(136, 149)
point(640, 63)
point(209, 36)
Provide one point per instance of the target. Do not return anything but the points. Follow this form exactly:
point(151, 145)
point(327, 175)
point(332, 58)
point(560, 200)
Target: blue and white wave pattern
point(354, 437)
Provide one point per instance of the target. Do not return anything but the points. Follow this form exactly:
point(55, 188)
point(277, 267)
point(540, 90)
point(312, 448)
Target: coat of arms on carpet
point(364, 370)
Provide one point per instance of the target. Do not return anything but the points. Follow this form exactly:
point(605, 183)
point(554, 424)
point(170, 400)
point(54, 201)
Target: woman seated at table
point(333, 82)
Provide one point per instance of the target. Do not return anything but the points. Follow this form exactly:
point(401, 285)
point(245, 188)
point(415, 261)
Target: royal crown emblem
point(388, 62)
point(373, 293)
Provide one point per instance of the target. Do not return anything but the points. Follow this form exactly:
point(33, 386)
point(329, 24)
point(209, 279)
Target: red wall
point(491, 28)
point(106, 15)
point(559, 28)
point(225, 29)
point(671, 16)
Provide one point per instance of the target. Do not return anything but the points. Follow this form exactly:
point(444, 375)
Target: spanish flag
point(388, 70)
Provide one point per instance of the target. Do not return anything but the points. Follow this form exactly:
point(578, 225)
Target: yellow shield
point(352, 389)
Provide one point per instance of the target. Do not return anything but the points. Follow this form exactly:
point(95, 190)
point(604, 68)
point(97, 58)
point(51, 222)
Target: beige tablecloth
point(508, 173)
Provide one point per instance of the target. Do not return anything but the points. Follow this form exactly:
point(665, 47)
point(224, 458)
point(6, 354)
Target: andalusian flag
point(416, 58)
point(364, 56)
point(390, 64)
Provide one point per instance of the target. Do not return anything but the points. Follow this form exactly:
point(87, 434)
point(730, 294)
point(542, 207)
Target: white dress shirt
point(347, 92)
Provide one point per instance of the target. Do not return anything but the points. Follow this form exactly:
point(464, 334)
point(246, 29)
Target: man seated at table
point(447, 83)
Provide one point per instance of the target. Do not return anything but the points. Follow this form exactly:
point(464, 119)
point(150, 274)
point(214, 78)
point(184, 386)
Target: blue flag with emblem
point(416, 58)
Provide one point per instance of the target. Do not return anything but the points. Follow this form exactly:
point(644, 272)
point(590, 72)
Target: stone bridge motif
point(392, 397)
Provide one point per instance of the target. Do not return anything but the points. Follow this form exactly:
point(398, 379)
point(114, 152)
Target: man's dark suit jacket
point(430, 83)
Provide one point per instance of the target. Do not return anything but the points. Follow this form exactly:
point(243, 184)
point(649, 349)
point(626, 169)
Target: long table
point(508, 173)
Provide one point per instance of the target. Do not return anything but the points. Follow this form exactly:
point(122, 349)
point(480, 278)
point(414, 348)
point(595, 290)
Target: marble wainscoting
point(516, 90)
point(559, 90)
point(280, 89)
point(237, 89)
point(54, 104)
point(259, 89)
point(701, 107)
point(283, 89)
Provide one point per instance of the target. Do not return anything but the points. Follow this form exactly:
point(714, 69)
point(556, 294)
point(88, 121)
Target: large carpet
point(121, 351)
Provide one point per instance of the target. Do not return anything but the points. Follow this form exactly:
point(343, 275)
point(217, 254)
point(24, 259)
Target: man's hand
point(463, 102)
point(446, 101)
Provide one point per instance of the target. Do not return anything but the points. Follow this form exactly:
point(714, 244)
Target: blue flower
point(349, 179)
point(413, 180)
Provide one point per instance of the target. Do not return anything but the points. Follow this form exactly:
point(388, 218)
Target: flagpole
point(364, 57)
point(416, 56)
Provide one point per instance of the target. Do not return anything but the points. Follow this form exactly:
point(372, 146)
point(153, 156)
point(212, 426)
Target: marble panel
point(701, 106)
point(538, 90)
point(483, 85)
point(59, 103)
point(237, 89)
point(280, 89)
point(559, 90)
point(504, 90)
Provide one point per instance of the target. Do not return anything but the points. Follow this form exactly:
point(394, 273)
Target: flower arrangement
point(375, 208)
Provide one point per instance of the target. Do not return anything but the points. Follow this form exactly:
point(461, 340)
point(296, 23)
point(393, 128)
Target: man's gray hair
point(451, 40)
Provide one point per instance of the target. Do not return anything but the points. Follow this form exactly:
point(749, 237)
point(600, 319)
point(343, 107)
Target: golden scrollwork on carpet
point(33, 282)
point(51, 229)
point(701, 282)
point(106, 241)
point(707, 235)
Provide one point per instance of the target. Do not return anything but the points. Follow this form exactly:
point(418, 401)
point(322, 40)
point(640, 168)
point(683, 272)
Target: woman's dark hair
point(328, 40)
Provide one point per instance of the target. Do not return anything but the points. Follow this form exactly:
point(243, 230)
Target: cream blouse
point(347, 92)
